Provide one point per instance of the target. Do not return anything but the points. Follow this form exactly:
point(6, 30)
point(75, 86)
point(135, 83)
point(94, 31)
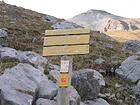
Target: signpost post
point(66, 42)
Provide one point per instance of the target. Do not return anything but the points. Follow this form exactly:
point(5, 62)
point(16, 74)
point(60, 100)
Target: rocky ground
point(108, 75)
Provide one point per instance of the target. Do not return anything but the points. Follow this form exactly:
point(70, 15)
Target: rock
point(50, 19)
point(24, 57)
point(109, 46)
point(65, 25)
point(81, 103)
point(137, 93)
point(130, 68)
point(8, 54)
point(133, 45)
point(54, 75)
point(98, 101)
point(19, 84)
point(99, 61)
point(3, 33)
point(54, 67)
point(92, 82)
point(33, 58)
point(42, 101)
point(74, 96)
point(47, 89)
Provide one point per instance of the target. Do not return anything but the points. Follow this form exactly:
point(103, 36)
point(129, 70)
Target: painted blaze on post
point(66, 42)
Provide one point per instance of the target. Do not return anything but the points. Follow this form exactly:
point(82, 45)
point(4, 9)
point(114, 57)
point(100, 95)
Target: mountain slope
point(25, 27)
point(103, 21)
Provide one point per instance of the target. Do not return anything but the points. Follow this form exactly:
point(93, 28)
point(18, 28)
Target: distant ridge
point(103, 21)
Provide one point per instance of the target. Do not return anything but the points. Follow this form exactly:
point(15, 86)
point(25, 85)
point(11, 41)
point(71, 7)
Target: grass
point(123, 36)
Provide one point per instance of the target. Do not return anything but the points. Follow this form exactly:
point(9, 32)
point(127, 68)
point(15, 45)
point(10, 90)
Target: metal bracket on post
point(65, 80)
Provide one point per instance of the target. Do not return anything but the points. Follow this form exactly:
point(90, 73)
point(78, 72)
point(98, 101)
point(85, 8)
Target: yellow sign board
point(64, 80)
point(66, 40)
point(60, 32)
point(65, 50)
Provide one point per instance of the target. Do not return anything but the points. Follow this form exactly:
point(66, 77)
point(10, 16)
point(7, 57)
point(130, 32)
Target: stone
point(33, 58)
point(50, 19)
point(3, 33)
point(8, 54)
point(99, 61)
point(137, 92)
point(65, 25)
point(54, 67)
point(109, 46)
point(74, 96)
point(87, 82)
point(29, 57)
point(133, 45)
point(19, 85)
point(42, 101)
point(54, 75)
point(130, 68)
point(98, 101)
point(47, 90)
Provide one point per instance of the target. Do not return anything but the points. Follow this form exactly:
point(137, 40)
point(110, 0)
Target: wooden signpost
point(66, 42)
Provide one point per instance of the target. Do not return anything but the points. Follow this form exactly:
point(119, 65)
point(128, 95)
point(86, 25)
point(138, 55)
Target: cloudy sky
point(69, 8)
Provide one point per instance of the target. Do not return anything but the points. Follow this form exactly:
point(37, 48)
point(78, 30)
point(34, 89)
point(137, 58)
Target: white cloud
point(68, 8)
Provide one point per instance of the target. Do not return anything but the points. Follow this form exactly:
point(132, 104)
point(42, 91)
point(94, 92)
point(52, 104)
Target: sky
point(68, 8)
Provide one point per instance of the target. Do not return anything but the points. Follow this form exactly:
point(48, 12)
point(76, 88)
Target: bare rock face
point(103, 21)
point(130, 68)
point(18, 85)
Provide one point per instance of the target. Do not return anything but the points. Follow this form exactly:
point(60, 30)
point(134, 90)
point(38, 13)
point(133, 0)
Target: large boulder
point(130, 68)
point(19, 85)
point(29, 57)
point(88, 83)
point(133, 45)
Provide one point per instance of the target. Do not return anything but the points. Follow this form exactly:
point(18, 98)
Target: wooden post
point(63, 92)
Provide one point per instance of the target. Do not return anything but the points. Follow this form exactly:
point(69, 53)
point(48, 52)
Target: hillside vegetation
point(123, 36)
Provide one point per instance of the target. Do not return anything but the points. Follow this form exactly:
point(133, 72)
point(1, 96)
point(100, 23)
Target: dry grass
point(123, 36)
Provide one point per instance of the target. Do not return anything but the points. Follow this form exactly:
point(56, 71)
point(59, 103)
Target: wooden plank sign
point(64, 80)
point(66, 42)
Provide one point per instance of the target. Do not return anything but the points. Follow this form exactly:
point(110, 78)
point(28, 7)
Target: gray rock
point(130, 68)
point(54, 75)
point(54, 67)
point(133, 45)
point(92, 83)
point(109, 46)
point(33, 58)
point(65, 25)
point(47, 89)
point(137, 93)
point(8, 54)
point(19, 84)
point(24, 57)
point(99, 61)
point(42, 101)
point(98, 101)
point(74, 96)
point(3, 33)
point(50, 19)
